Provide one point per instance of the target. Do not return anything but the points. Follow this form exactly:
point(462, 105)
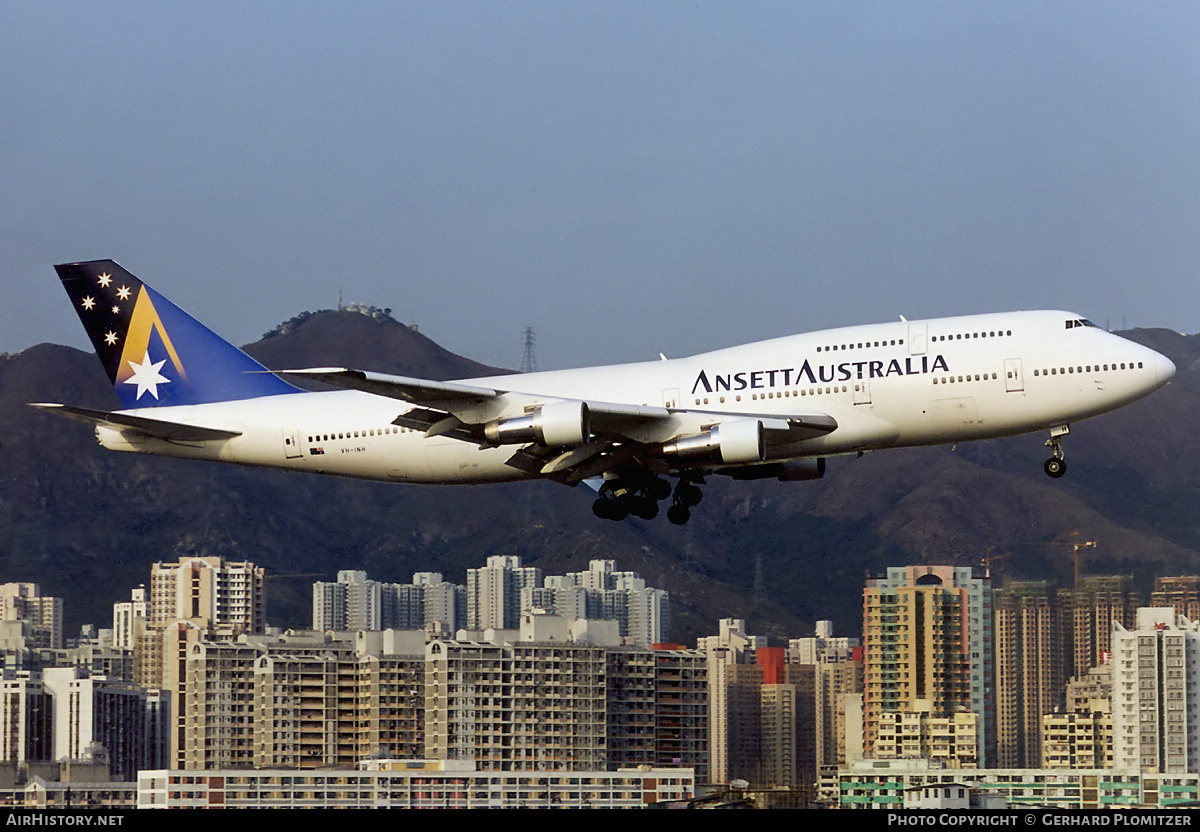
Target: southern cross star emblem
point(105, 279)
point(110, 338)
point(147, 376)
point(123, 293)
point(89, 302)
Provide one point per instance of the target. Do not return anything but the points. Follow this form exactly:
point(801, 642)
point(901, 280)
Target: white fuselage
point(887, 385)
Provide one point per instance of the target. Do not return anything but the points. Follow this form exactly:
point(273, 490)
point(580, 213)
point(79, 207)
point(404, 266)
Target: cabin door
point(1014, 382)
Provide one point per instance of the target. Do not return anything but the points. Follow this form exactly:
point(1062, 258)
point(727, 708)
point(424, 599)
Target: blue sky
point(627, 178)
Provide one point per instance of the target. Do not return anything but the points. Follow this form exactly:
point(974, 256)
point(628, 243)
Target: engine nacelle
point(732, 442)
point(792, 470)
point(550, 425)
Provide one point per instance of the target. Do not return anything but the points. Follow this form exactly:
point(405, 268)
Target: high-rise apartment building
point(642, 613)
point(494, 592)
point(98, 715)
point(209, 592)
point(1155, 705)
point(444, 604)
point(927, 645)
point(129, 619)
point(26, 717)
point(350, 603)
point(43, 613)
point(517, 705)
point(1090, 610)
point(194, 594)
point(1181, 593)
point(1031, 668)
point(836, 666)
point(734, 701)
point(681, 709)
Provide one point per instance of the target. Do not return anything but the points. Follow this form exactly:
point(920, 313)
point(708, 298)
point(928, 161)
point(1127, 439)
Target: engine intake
point(553, 425)
point(733, 442)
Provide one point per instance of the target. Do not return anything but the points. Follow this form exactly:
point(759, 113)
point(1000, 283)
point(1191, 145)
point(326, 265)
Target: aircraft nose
point(1164, 368)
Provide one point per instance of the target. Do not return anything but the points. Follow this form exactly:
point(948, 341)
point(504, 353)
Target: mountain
point(87, 523)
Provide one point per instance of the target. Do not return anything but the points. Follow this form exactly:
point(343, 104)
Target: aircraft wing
point(145, 425)
point(620, 432)
point(443, 395)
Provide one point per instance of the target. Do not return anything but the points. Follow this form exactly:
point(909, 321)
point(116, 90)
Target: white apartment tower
point(94, 712)
point(129, 619)
point(1155, 710)
point(494, 592)
point(350, 603)
point(43, 613)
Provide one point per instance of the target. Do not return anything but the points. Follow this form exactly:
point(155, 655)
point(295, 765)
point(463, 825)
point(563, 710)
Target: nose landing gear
point(1056, 465)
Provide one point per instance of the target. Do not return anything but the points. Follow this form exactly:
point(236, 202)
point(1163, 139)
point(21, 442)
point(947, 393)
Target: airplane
point(773, 409)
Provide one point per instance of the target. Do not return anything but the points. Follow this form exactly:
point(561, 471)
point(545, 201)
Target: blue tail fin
point(154, 352)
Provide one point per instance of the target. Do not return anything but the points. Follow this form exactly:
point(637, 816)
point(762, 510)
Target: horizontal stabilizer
point(157, 428)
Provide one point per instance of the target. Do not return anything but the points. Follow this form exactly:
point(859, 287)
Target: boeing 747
point(773, 409)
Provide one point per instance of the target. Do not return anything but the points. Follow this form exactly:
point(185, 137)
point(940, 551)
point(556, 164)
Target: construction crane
point(1076, 546)
point(991, 557)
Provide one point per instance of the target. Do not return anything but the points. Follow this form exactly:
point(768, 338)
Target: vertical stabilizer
point(155, 353)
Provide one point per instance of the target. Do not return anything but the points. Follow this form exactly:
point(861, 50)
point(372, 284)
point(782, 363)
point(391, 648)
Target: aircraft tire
point(690, 495)
point(659, 489)
point(1055, 467)
point(645, 508)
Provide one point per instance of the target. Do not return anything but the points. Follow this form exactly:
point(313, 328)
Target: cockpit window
point(1080, 322)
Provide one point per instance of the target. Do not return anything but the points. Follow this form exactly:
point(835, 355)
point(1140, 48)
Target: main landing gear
point(640, 497)
point(1056, 465)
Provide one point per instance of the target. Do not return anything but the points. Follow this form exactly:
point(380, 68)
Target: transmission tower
point(529, 360)
point(760, 584)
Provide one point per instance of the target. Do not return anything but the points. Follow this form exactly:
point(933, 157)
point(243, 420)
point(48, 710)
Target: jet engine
point(554, 425)
point(735, 441)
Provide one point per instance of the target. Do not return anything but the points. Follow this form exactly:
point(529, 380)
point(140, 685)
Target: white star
point(123, 293)
point(147, 376)
point(105, 279)
point(116, 310)
point(88, 302)
point(110, 338)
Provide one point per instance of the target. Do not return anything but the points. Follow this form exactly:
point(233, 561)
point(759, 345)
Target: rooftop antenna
point(529, 360)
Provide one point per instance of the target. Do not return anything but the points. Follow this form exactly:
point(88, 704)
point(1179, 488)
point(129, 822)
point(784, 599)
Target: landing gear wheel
point(658, 489)
point(1055, 467)
point(644, 507)
point(679, 514)
point(688, 494)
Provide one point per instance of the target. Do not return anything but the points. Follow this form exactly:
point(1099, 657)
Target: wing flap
point(147, 426)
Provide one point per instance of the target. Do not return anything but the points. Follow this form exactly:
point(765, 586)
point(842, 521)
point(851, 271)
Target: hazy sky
point(625, 177)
